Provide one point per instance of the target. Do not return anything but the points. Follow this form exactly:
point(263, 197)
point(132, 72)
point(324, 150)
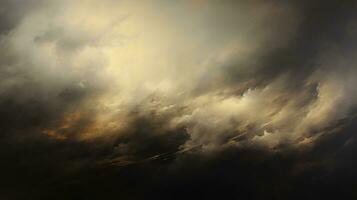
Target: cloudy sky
point(189, 99)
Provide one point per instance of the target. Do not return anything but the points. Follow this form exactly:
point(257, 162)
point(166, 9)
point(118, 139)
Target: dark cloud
point(12, 12)
point(326, 170)
point(320, 23)
point(202, 100)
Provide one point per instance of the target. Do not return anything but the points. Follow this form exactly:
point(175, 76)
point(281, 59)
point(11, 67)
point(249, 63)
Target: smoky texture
point(179, 99)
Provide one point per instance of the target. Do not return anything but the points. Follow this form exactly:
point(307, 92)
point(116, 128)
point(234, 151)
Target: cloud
point(90, 86)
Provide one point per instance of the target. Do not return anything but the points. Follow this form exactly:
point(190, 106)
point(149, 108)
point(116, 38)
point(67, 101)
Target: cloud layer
point(97, 84)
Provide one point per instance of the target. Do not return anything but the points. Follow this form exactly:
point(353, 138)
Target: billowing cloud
point(105, 84)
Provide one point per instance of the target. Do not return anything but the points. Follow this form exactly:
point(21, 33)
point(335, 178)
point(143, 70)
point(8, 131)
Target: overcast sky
point(191, 99)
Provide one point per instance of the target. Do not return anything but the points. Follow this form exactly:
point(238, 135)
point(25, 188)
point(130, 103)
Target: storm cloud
point(184, 99)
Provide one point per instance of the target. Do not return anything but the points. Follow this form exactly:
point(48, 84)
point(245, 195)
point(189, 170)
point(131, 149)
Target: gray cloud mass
point(188, 99)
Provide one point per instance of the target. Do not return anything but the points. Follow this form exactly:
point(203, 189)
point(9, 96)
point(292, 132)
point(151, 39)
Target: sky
point(186, 99)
